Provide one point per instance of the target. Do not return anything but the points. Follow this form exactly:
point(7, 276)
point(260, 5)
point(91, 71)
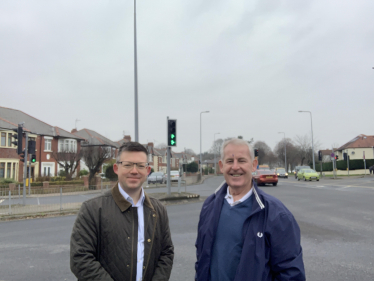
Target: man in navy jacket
point(244, 233)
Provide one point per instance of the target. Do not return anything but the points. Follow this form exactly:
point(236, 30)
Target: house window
point(3, 139)
point(2, 170)
point(9, 169)
point(67, 145)
point(47, 145)
point(47, 171)
point(10, 139)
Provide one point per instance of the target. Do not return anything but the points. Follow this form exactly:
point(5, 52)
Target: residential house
point(92, 138)
point(358, 148)
point(49, 139)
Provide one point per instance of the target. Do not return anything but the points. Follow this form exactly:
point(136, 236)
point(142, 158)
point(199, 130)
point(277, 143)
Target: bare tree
point(292, 152)
point(304, 149)
point(189, 151)
point(161, 146)
point(69, 161)
point(265, 154)
point(94, 157)
point(216, 147)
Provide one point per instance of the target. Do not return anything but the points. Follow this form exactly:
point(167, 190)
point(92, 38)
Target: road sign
point(332, 154)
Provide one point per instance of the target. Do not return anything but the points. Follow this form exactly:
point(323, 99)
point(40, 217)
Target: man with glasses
point(123, 234)
point(244, 233)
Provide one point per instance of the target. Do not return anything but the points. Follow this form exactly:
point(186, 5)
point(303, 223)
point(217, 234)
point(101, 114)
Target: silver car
point(157, 177)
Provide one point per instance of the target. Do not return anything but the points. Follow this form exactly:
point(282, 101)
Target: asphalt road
point(335, 216)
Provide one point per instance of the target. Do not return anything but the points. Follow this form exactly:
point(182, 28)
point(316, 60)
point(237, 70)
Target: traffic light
point(256, 152)
point(22, 155)
point(319, 155)
point(33, 158)
point(18, 139)
point(336, 157)
point(31, 147)
point(172, 132)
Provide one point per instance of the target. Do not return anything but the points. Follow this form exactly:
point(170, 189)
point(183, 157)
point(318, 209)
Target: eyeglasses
point(129, 165)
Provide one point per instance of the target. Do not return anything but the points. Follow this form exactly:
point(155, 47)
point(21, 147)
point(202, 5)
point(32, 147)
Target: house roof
point(361, 141)
point(10, 118)
point(93, 138)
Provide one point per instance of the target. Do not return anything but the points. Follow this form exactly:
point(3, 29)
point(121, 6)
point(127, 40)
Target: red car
point(262, 177)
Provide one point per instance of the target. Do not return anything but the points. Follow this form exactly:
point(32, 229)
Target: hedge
point(342, 165)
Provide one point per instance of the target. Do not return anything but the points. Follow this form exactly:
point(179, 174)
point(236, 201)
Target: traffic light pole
point(168, 163)
point(29, 172)
point(25, 170)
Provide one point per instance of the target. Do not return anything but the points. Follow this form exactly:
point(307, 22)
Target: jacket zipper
point(132, 244)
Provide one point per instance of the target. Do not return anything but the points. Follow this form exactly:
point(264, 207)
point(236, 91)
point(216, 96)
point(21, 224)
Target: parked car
point(174, 176)
point(307, 174)
point(281, 173)
point(262, 177)
point(157, 177)
point(298, 168)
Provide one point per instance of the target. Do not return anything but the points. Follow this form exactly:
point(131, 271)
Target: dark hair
point(131, 146)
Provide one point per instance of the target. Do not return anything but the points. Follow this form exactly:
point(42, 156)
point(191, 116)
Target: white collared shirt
point(230, 199)
point(140, 253)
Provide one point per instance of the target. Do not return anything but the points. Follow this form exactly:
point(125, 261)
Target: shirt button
point(128, 237)
point(149, 240)
point(154, 215)
point(128, 265)
point(143, 267)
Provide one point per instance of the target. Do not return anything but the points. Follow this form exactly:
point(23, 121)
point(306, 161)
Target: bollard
point(179, 185)
point(60, 198)
point(10, 203)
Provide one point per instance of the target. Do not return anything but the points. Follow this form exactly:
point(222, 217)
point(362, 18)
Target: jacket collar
point(123, 204)
point(221, 190)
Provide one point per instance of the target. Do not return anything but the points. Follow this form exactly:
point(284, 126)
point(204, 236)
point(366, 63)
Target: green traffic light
point(172, 142)
point(172, 136)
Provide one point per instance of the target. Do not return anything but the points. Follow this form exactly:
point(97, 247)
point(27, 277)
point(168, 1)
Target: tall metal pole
point(285, 151)
point(25, 170)
point(168, 184)
point(311, 123)
point(135, 77)
point(201, 157)
point(215, 171)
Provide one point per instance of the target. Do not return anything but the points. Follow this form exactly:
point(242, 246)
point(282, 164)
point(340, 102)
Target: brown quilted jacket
point(103, 242)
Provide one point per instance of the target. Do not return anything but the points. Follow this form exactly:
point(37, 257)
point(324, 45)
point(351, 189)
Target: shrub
point(109, 173)
point(62, 173)
point(83, 172)
point(7, 180)
point(192, 167)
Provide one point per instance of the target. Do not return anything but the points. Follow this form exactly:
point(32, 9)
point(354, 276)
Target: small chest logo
point(259, 234)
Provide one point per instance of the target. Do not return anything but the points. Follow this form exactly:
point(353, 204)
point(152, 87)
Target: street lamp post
point(311, 124)
point(285, 150)
point(201, 157)
point(215, 171)
point(135, 77)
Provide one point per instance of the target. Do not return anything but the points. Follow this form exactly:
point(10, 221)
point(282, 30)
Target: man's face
point(131, 179)
point(237, 166)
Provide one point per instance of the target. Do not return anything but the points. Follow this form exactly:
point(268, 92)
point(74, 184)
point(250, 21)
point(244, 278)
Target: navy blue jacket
point(271, 246)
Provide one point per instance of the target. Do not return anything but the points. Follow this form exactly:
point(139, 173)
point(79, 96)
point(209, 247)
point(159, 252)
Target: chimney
point(128, 138)
point(74, 131)
point(150, 144)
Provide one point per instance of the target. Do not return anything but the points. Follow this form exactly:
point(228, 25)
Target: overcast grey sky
point(252, 64)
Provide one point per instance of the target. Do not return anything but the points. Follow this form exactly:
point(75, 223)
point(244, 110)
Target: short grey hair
point(235, 141)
